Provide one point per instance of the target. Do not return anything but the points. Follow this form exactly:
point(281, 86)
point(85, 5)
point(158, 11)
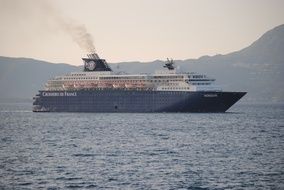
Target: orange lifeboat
point(104, 85)
point(68, 86)
point(115, 85)
point(78, 85)
point(121, 85)
point(94, 85)
point(129, 85)
point(87, 85)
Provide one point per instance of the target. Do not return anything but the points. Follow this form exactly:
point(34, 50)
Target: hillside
point(20, 78)
point(257, 69)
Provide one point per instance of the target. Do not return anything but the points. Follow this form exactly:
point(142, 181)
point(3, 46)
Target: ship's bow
point(228, 99)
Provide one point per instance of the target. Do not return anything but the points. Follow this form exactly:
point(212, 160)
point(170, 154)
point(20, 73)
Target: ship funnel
point(93, 56)
point(95, 63)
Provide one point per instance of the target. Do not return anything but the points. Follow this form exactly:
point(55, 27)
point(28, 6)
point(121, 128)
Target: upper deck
point(98, 74)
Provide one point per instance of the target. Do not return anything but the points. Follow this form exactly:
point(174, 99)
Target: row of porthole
point(176, 88)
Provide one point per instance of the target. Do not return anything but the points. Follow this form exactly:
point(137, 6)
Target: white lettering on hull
point(210, 95)
point(59, 93)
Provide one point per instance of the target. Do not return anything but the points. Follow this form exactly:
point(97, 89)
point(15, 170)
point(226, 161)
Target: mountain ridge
point(257, 69)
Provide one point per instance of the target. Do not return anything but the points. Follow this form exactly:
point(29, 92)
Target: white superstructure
point(166, 80)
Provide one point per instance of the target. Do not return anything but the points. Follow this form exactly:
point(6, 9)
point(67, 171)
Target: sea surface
point(240, 149)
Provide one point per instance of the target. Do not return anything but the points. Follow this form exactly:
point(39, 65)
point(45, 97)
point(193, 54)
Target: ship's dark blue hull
point(134, 101)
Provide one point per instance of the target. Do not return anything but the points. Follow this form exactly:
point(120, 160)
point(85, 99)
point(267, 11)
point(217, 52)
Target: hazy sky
point(130, 30)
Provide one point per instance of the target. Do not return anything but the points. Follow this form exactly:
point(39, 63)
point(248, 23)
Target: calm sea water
point(241, 149)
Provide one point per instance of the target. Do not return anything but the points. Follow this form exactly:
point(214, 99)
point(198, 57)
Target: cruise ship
point(98, 89)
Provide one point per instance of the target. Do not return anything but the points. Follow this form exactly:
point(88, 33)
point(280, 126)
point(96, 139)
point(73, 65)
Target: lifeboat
point(68, 86)
point(129, 85)
point(104, 85)
point(140, 85)
point(90, 85)
point(115, 85)
point(109, 85)
point(78, 86)
point(94, 85)
point(121, 85)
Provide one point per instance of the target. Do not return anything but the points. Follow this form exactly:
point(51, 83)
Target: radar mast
point(169, 64)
